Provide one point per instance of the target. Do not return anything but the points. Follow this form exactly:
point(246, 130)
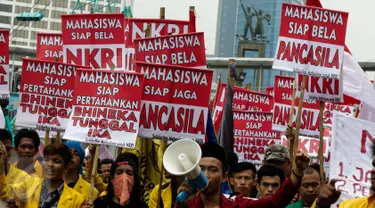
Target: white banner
point(351, 156)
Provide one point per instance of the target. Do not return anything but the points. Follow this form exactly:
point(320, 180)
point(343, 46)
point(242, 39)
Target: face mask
point(123, 186)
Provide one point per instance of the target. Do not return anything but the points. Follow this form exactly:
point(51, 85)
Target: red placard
point(136, 28)
point(253, 125)
point(106, 107)
point(331, 107)
point(218, 108)
point(95, 40)
point(4, 64)
point(46, 94)
point(269, 91)
point(323, 89)
point(49, 47)
point(183, 50)
point(283, 90)
point(247, 100)
point(311, 41)
point(175, 101)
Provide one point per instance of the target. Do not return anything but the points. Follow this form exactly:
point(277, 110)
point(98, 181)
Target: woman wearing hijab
point(123, 190)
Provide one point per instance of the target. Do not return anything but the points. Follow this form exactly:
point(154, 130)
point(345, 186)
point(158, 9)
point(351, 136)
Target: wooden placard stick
point(291, 116)
point(93, 173)
point(46, 138)
point(58, 137)
point(163, 143)
point(321, 128)
point(298, 119)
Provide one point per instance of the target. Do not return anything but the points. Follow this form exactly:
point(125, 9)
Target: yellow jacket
point(84, 188)
point(166, 196)
point(37, 167)
point(29, 194)
point(16, 176)
point(363, 202)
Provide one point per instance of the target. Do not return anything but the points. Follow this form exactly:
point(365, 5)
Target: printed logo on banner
point(135, 28)
point(283, 93)
point(351, 156)
point(49, 46)
point(4, 64)
point(95, 40)
point(183, 50)
point(46, 94)
point(174, 102)
point(247, 100)
point(323, 89)
point(106, 108)
point(311, 41)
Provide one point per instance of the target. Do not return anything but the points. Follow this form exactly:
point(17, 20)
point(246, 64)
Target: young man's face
point(213, 169)
point(268, 185)
point(26, 148)
point(53, 167)
point(310, 187)
point(8, 146)
point(76, 160)
point(243, 182)
point(105, 172)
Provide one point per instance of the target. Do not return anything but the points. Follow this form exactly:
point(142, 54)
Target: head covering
point(211, 149)
point(128, 157)
point(277, 152)
point(81, 153)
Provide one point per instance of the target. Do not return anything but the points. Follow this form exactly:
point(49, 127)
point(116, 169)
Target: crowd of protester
point(62, 179)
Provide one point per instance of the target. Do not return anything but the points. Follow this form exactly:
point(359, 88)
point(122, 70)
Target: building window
point(19, 43)
point(56, 26)
point(40, 24)
point(5, 19)
point(5, 8)
point(62, 4)
point(43, 2)
point(24, 1)
point(20, 33)
point(32, 44)
point(20, 9)
point(33, 35)
point(57, 14)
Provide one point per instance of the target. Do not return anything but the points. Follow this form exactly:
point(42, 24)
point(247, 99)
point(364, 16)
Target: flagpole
point(320, 152)
point(291, 116)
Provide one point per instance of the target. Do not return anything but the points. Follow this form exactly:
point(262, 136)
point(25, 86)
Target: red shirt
point(281, 199)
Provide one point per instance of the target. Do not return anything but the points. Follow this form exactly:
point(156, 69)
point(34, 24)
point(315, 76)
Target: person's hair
point(58, 149)
point(313, 168)
point(27, 133)
point(271, 171)
point(242, 166)
point(135, 196)
point(5, 135)
point(104, 162)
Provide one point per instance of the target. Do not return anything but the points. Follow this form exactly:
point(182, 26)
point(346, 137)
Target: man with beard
point(104, 169)
point(27, 144)
point(213, 164)
point(242, 177)
point(47, 192)
point(310, 187)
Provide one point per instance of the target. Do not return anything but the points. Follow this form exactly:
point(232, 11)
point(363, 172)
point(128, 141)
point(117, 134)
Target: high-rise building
point(23, 33)
point(256, 28)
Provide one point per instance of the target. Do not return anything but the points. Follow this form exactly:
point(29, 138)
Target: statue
point(249, 19)
point(259, 28)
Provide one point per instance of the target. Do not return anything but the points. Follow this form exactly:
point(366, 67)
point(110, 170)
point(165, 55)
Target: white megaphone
point(182, 158)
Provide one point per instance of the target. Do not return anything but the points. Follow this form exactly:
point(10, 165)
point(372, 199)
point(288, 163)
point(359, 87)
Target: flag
point(210, 132)
point(225, 134)
point(357, 87)
point(192, 26)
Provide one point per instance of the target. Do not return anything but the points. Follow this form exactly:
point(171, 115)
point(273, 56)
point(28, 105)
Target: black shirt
point(103, 202)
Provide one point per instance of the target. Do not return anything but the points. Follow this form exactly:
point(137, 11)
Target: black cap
point(211, 149)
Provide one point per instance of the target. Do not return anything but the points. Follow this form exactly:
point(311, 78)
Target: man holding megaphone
point(211, 159)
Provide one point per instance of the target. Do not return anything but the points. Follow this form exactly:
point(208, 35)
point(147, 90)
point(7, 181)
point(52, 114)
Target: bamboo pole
point(58, 138)
point(46, 138)
point(291, 116)
point(163, 143)
point(93, 174)
point(321, 128)
point(298, 120)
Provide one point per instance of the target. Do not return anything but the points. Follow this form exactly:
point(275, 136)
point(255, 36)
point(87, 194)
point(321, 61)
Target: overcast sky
point(360, 33)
